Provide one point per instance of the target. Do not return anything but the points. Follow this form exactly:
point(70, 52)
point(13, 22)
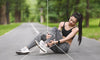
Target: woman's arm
point(73, 33)
point(60, 25)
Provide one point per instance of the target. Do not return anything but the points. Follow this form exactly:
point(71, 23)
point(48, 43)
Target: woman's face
point(72, 20)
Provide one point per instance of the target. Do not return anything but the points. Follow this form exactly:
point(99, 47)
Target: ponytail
point(79, 19)
point(80, 29)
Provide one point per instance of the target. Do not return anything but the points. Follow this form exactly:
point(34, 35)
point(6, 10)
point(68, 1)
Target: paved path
point(23, 35)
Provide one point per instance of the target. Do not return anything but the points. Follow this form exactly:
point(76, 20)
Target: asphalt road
point(25, 33)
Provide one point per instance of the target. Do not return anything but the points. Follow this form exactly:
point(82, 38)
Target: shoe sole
point(19, 53)
point(39, 46)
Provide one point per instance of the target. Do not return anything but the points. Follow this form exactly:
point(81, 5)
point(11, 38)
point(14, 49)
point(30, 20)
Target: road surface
point(25, 33)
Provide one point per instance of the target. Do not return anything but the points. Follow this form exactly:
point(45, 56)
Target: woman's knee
point(54, 29)
point(43, 37)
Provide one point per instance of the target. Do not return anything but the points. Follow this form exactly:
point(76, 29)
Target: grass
point(6, 28)
point(92, 32)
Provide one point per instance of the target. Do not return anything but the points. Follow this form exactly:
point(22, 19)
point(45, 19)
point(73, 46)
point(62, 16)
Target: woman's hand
point(48, 36)
point(51, 43)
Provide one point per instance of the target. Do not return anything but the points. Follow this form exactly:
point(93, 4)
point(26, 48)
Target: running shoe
point(23, 51)
point(42, 46)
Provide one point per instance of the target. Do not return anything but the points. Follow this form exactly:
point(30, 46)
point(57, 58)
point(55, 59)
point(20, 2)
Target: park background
point(15, 12)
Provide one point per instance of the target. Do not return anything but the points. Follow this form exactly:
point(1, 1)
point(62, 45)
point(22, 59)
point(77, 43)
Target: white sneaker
point(42, 46)
point(24, 50)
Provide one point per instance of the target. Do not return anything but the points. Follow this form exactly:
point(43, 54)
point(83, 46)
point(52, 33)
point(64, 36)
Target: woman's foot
point(23, 51)
point(42, 46)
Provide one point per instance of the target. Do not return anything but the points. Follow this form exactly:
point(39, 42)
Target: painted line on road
point(35, 28)
point(37, 33)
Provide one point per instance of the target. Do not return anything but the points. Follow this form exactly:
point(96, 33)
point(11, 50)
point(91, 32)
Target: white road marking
point(34, 28)
point(37, 33)
point(23, 57)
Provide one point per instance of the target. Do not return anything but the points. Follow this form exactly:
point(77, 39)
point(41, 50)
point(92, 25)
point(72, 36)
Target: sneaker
point(23, 51)
point(42, 46)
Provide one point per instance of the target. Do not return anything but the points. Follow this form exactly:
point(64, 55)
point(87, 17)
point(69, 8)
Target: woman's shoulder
point(76, 28)
point(61, 24)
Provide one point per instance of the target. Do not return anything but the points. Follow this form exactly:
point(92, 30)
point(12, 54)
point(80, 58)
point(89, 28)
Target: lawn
point(6, 28)
point(92, 32)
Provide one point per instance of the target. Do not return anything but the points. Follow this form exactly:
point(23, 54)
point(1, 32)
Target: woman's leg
point(25, 50)
point(38, 38)
point(56, 34)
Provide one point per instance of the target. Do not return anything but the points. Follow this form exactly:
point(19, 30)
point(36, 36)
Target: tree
point(87, 14)
point(99, 23)
point(7, 12)
point(42, 9)
point(67, 10)
point(17, 11)
point(76, 3)
point(3, 19)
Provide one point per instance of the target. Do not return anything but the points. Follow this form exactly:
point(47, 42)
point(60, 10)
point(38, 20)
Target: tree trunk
point(44, 18)
point(41, 17)
point(58, 14)
point(17, 16)
point(67, 12)
point(76, 3)
point(99, 23)
point(87, 14)
point(3, 19)
point(7, 12)
point(17, 13)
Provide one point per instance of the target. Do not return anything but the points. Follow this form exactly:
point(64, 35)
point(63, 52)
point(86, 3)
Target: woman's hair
point(79, 19)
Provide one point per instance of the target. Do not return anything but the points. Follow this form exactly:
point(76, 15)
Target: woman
point(60, 39)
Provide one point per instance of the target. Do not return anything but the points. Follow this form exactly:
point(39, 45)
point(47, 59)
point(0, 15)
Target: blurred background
point(15, 12)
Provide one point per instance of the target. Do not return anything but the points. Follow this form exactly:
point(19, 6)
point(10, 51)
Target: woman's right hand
point(48, 36)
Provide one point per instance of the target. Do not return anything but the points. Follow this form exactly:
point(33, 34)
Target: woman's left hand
point(51, 43)
point(48, 36)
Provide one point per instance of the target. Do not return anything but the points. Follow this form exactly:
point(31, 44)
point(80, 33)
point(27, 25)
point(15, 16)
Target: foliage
point(30, 9)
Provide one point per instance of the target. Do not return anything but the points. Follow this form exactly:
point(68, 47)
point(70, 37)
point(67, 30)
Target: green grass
point(6, 28)
point(92, 32)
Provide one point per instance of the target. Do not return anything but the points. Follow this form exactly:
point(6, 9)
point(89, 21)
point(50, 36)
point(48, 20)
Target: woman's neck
point(71, 25)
